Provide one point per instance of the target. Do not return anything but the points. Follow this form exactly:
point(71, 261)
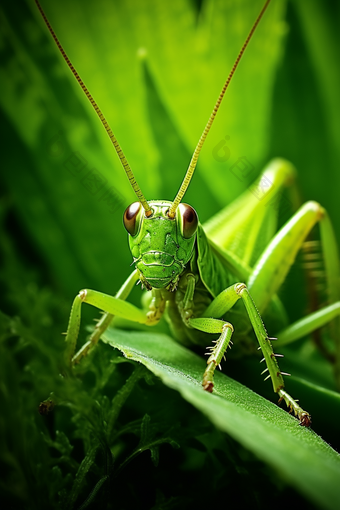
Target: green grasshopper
point(190, 270)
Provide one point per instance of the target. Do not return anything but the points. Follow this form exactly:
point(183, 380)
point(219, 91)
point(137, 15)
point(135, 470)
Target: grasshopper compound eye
point(188, 220)
point(131, 218)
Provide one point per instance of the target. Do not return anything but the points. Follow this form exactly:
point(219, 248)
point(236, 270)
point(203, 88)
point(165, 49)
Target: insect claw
point(305, 419)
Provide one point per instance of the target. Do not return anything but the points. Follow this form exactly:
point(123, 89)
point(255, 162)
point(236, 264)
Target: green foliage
point(118, 437)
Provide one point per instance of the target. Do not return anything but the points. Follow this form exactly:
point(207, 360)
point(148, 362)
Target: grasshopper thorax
point(161, 246)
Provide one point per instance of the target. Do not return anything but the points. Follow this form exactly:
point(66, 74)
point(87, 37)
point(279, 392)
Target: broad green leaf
point(297, 453)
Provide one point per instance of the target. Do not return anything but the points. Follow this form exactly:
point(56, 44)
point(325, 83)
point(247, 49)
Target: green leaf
point(297, 453)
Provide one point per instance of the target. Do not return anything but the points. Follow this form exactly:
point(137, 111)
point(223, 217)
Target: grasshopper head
point(161, 246)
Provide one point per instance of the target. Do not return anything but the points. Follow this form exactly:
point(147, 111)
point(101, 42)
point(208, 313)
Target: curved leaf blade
point(299, 454)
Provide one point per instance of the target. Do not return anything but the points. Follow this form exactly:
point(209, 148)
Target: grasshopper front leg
point(111, 305)
point(220, 305)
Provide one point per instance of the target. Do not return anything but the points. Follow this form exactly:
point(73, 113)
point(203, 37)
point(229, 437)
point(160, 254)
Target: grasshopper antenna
point(193, 162)
point(121, 155)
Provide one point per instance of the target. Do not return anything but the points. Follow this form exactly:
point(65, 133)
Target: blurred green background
point(155, 69)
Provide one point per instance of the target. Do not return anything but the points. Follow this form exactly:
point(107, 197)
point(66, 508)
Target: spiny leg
point(218, 351)
point(221, 304)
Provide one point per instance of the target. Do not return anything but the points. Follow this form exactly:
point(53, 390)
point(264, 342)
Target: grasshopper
point(194, 277)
